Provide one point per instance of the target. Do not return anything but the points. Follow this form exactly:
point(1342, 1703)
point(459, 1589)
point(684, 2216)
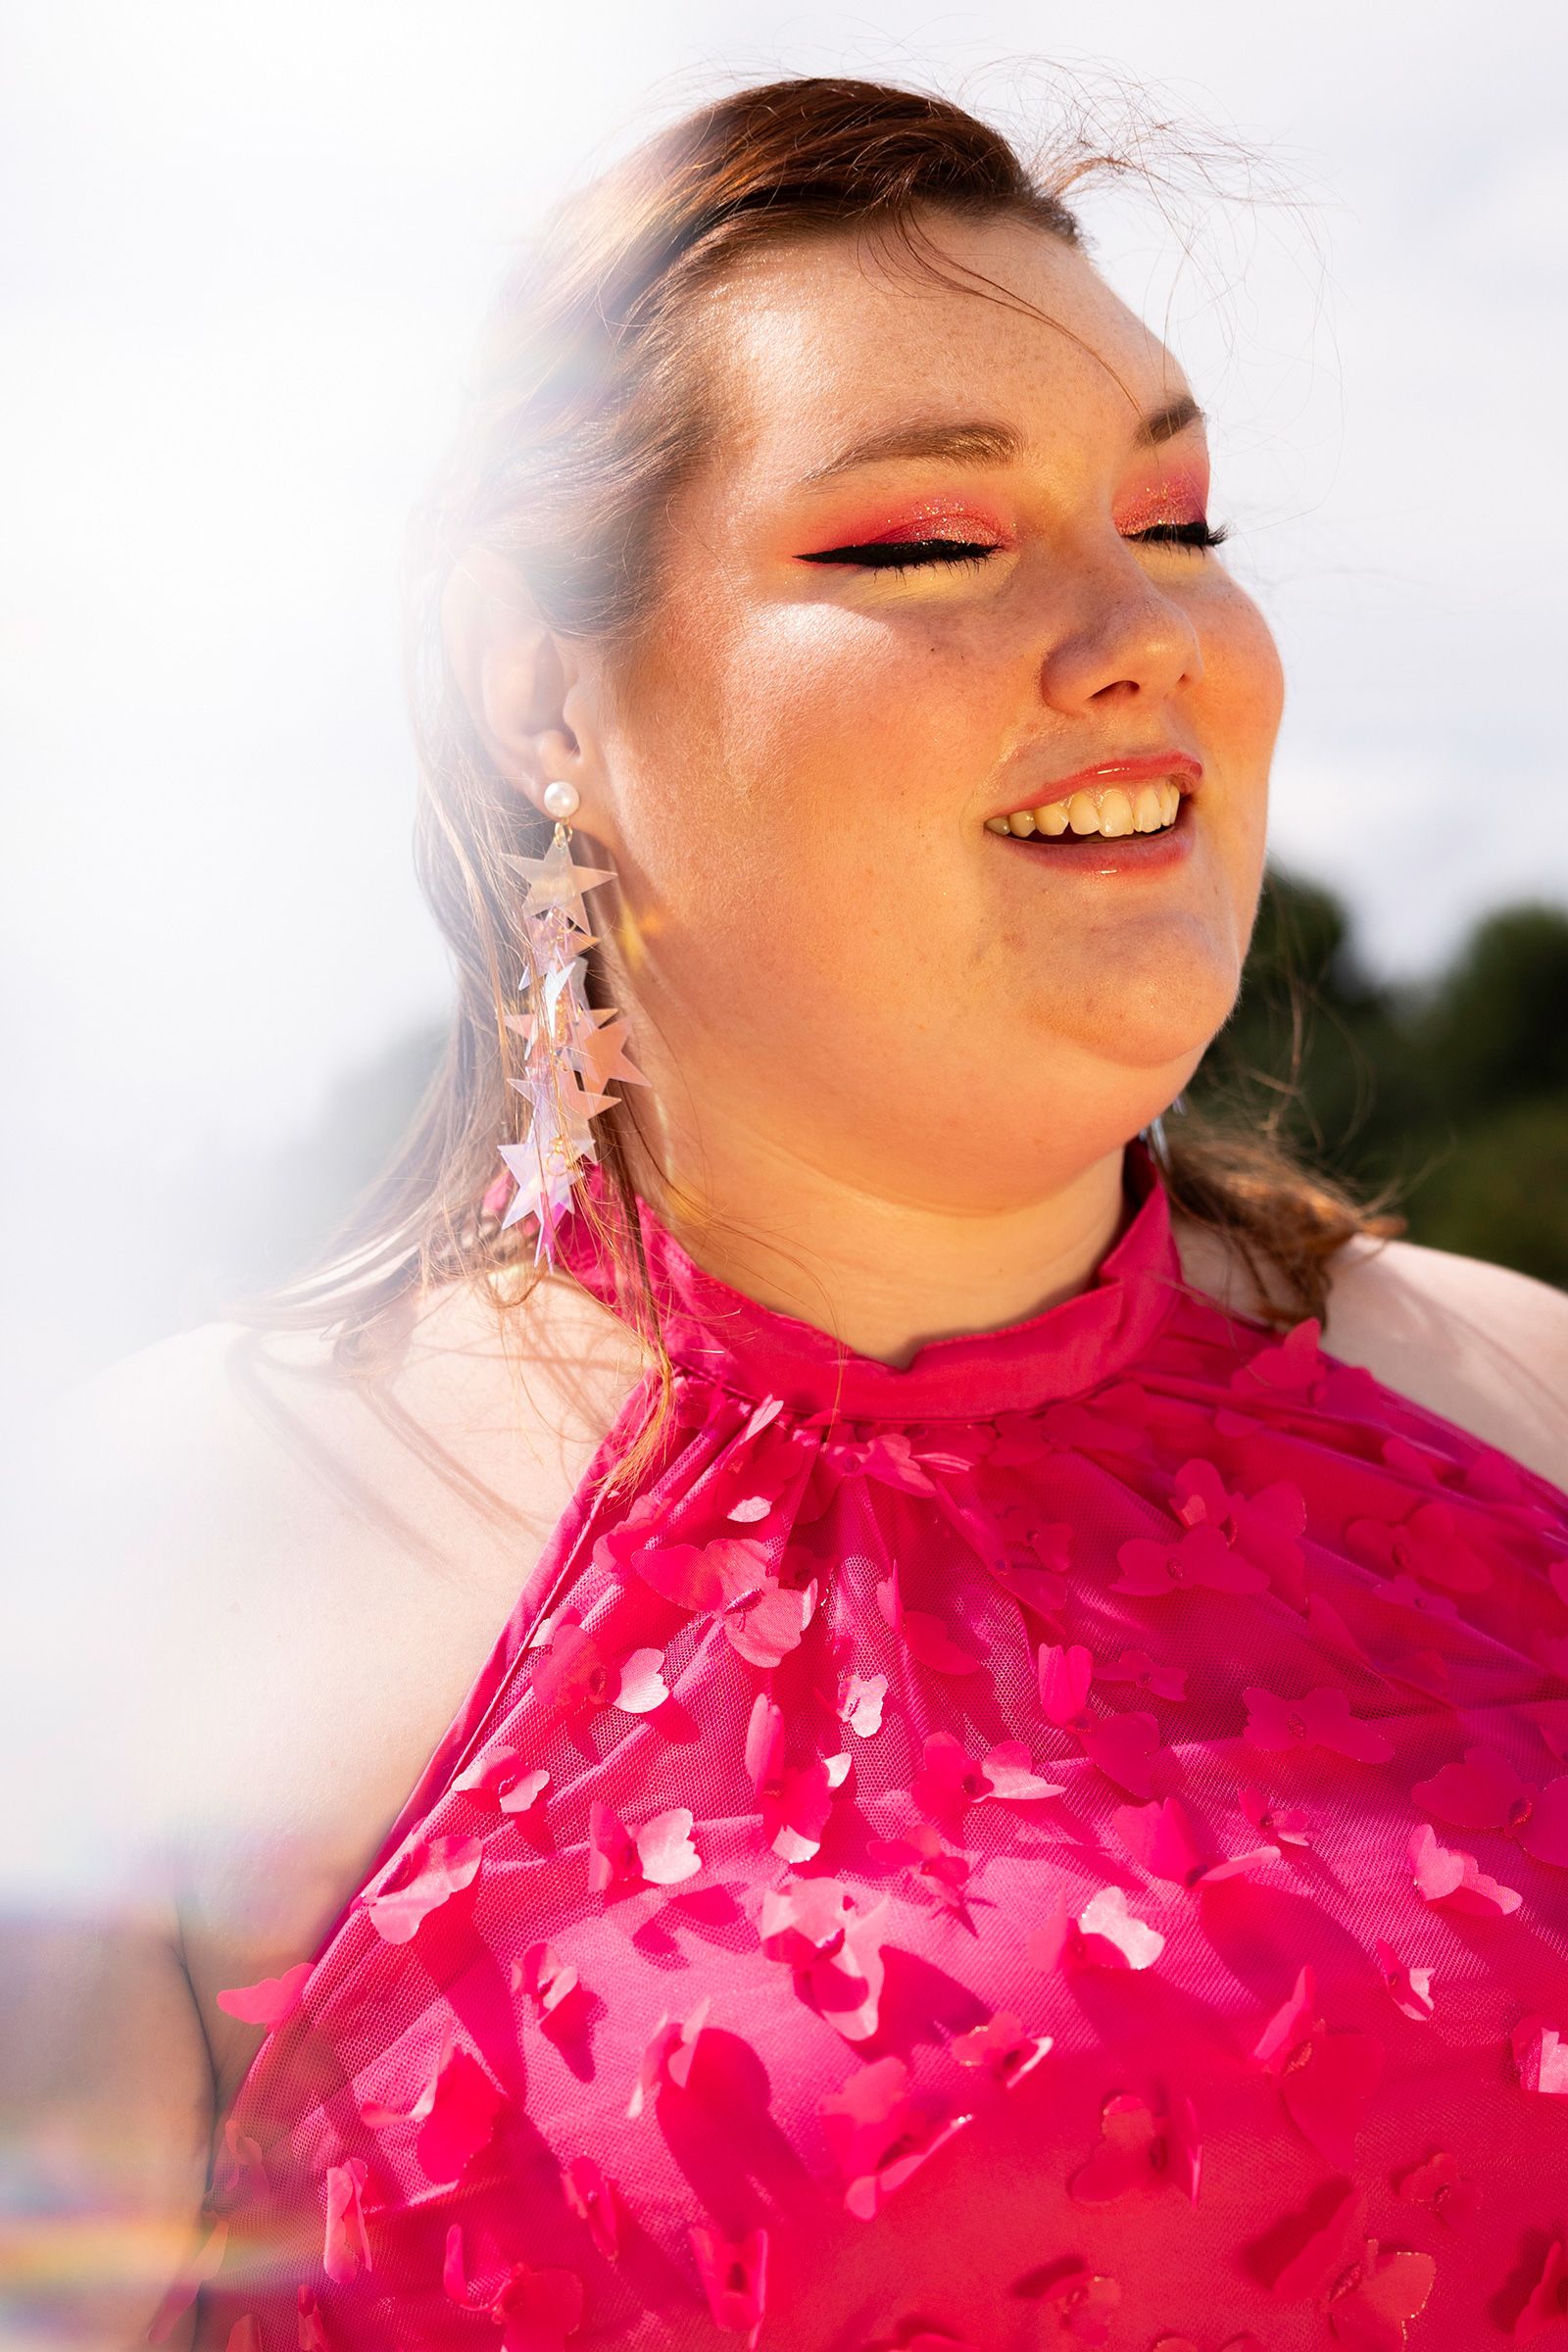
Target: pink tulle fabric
point(1065, 1842)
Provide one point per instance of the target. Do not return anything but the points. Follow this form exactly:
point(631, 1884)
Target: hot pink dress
point(1062, 1844)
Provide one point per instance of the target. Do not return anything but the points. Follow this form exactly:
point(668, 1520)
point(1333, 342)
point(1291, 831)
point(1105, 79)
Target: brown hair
point(582, 414)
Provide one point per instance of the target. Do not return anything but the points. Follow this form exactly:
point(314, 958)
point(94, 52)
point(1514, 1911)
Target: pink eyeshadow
point(1179, 497)
point(935, 517)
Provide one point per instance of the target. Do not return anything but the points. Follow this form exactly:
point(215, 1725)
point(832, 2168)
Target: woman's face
point(826, 943)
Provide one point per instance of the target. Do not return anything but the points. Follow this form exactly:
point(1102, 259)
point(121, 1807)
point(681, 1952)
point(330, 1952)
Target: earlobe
point(506, 665)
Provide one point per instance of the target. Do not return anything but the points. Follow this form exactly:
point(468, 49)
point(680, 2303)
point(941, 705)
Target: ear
point(518, 681)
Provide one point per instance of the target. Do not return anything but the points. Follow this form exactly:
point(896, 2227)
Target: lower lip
point(1121, 853)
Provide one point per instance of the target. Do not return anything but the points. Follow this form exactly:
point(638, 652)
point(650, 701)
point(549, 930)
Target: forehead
point(829, 338)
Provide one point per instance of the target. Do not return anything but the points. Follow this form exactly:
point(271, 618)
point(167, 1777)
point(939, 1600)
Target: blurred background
point(248, 253)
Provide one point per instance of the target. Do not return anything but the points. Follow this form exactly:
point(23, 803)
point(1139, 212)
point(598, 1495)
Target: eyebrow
point(983, 444)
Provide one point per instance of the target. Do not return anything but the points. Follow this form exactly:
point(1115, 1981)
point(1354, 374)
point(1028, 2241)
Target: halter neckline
point(718, 1334)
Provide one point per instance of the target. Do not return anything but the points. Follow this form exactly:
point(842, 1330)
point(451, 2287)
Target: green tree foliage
point(1451, 1100)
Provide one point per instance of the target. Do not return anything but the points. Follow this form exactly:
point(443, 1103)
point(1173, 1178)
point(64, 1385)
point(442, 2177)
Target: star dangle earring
point(570, 1049)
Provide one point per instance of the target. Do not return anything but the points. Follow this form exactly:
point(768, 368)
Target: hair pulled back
point(582, 412)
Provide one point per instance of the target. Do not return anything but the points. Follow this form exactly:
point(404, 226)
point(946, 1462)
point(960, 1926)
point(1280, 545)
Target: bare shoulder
point(259, 1589)
point(1484, 1347)
point(246, 1592)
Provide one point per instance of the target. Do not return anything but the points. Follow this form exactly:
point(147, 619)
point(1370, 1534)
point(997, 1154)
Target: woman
point(941, 1782)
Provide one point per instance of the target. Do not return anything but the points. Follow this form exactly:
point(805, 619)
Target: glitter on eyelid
point(923, 520)
point(1175, 498)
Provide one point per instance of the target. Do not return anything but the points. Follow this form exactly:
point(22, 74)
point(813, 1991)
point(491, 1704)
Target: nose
point(1118, 637)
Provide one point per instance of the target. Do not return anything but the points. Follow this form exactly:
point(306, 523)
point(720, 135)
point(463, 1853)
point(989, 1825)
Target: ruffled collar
point(716, 1333)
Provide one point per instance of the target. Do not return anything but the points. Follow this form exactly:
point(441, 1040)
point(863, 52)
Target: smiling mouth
point(1112, 812)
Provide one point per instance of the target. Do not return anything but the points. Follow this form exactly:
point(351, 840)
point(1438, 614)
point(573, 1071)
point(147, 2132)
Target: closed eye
point(904, 555)
point(909, 555)
point(1199, 533)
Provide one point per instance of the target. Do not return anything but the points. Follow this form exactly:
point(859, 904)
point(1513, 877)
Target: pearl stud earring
point(561, 800)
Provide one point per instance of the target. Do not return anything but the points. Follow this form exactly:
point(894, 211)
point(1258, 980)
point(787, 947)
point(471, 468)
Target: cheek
point(795, 741)
point(1243, 684)
point(855, 715)
point(761, 755)
point(797, 824)
point(1240, 702)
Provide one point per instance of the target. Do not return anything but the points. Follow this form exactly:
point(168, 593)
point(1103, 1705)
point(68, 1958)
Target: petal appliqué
point(734, 2276)
point(1444, 1875)
point(346, 2250)
point(269, 2000)
point(436, 1868)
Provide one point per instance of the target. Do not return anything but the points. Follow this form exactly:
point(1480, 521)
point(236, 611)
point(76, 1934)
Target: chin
point(1157, 1036)
point(1159, 1010)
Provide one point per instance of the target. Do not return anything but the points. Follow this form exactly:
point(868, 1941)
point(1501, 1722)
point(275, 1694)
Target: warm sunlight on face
point(944, 561)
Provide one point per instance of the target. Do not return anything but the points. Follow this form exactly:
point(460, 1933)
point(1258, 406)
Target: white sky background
point(247, 250)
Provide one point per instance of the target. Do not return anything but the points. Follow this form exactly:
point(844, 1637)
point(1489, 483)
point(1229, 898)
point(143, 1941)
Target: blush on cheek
point(1180, 495)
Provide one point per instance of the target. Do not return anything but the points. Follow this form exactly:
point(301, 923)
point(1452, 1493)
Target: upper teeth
point(1107, 810)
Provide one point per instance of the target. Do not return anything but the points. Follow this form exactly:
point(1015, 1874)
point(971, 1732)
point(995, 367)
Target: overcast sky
point(247, 250)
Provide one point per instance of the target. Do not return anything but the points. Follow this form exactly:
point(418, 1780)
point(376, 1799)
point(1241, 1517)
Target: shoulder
point(246, 1593)
point(256, 1588)
point(228, 1442)
point(1481, 1347)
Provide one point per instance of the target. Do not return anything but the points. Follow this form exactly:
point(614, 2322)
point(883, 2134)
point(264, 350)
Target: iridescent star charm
point(572, 1049)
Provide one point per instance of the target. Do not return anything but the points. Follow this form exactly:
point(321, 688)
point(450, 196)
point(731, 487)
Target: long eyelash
point(914, 554)
point(906, 555)
point(1182, 534)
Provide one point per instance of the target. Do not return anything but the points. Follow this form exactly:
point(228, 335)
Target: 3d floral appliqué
point(1484, 1792)
point(1003, 2047)
point(456, 2113)
point(1428, 1544)
point(536, 2310)
point(1201, 1559)
point(1123, 1746)
point(879, 2136)
point(437, 1868)
point(861, 1702)
point(591, 2198)
point(1541, 2053)
point(794, 1799)
point(1166, 1839)
point(1444, 1875)
point(815, 1927)
point(346, 2250)
point(1140, 2146)
point(269, 2000)
point(1265, 1528)
point(1410, 1988)
point(1319, 1718)
point(668, 2057)
point(734, 2276)
point(543, 1977)
point(1371, 2307)
point(729, 1579)
point(1548, 2300)
point(1104, 1933)
point(950, 1779)
point(1439, 2183)
point(1326, 2078)
point(661, 1851)
point(503, 1776)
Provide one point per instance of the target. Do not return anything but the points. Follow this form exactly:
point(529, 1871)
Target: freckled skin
point(824, 943)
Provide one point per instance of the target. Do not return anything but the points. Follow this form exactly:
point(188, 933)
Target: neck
point(883, 1274)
